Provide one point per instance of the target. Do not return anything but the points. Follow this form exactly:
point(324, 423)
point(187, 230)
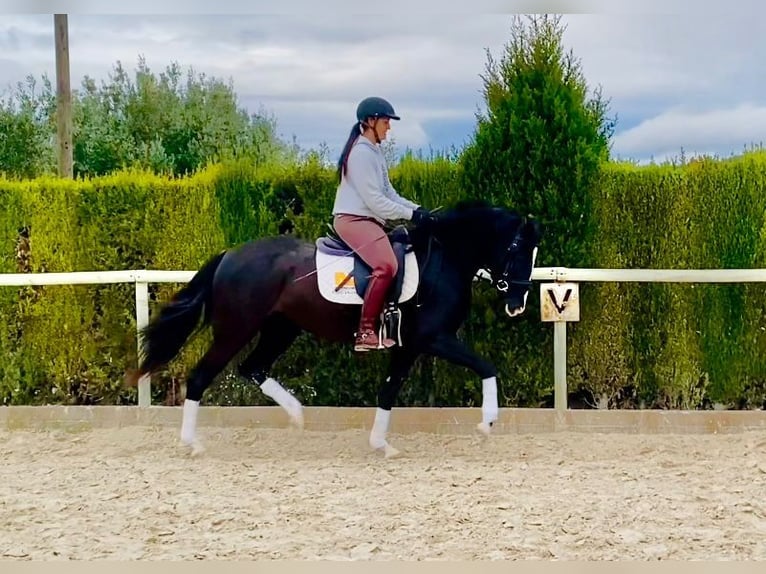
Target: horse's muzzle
point(514, 311)
point(516, 303)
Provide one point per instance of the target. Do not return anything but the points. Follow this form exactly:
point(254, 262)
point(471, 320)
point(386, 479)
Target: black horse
point(275, 287)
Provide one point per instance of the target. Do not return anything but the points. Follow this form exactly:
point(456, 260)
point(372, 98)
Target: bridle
point(504, 281)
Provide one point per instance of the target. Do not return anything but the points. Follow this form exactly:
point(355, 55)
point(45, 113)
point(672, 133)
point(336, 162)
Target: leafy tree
point(539, 146)
point(169, 122)
point(27, 123)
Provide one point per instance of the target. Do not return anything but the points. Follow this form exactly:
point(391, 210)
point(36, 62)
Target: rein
point(418, 299)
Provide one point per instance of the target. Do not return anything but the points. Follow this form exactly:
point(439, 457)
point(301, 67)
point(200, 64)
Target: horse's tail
point(163, 338)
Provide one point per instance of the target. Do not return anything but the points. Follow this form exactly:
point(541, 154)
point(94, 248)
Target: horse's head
point(495, 239)
point(512, 259)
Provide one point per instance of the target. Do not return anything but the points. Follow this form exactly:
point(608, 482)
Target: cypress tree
point(539, 145)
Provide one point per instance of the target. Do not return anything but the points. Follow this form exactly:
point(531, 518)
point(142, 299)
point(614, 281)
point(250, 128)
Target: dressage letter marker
point(559, 302)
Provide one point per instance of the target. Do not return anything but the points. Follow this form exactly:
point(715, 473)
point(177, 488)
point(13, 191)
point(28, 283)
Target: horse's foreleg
point(453, 350)
point(402, 360)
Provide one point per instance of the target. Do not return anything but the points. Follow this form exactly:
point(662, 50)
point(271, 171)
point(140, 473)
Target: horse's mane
point(479, 211)
point(473, 205)
point(471, 216)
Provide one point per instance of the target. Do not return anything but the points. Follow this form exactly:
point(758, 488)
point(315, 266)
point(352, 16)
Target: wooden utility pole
point(63, 96)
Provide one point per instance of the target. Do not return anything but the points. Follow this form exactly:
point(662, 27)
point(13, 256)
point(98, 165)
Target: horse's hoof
point(195, 448)
point(296, 421)
point(390, 452)
point(484, 428)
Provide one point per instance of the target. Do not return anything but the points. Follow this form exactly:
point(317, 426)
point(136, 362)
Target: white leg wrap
point(489, 409)
point(189, 424)
point(380, 429)
point(283, 398)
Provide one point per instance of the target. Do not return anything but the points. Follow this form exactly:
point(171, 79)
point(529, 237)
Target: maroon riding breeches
point(368, 238)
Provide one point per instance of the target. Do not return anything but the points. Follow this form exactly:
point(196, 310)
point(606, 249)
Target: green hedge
point(676, 344)
point(638, 344)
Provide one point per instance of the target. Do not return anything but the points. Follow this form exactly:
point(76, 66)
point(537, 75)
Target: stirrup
point(391, 324)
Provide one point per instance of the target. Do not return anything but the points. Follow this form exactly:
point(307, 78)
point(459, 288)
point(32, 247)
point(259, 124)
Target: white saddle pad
point(333, 269)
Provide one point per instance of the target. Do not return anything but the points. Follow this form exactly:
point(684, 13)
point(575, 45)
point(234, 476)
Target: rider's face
point(380, 126)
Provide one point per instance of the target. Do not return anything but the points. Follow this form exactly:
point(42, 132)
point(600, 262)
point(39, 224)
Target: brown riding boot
point(367, 337)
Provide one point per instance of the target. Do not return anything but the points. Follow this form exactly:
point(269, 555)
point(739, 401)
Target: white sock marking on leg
point(380, 428)
point(283, 398)
point(189, 424)
point(489, 409)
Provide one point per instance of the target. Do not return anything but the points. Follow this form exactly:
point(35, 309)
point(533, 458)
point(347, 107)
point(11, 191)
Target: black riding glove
point(421, 215)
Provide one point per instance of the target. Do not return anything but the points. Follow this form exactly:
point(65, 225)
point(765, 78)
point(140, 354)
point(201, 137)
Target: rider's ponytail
point(343, 160)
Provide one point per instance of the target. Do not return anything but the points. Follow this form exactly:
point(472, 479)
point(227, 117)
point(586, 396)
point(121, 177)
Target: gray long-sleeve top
point(365, 188)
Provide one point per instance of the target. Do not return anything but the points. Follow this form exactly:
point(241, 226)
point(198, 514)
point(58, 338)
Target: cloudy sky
point(692, 80)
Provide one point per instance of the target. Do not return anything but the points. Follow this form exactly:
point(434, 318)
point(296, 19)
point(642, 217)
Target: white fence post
point(560, 402)
point(559, 304)
point(142, 319)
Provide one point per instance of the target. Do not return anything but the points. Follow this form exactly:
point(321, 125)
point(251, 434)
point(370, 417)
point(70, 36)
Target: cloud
point(713, 132)
point(688, 82)
point(694, 57)
point(310, 68)
point(309, 71)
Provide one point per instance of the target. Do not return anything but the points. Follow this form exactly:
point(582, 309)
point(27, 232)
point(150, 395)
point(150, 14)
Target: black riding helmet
point(375, 107)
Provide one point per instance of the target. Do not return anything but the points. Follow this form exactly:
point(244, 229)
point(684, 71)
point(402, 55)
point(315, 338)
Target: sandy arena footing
point(119, 490)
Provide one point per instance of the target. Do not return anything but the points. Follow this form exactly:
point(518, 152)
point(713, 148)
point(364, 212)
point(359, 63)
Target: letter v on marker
point(560, 308)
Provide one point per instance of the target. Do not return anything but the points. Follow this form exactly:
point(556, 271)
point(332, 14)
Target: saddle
point(342, 275)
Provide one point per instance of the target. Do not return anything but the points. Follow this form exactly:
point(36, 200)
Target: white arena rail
point(142, 278)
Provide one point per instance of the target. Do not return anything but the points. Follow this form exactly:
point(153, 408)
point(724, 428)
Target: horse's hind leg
point(225, 346)
point(277, 334)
